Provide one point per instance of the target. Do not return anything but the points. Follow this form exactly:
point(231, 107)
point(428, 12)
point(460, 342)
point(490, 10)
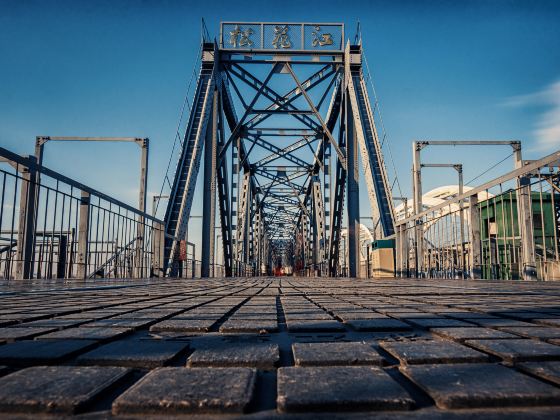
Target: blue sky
point(442, 70)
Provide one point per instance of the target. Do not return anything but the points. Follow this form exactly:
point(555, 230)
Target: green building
point(501, 242)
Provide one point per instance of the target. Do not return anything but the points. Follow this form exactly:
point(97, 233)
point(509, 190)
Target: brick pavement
point(280, 347)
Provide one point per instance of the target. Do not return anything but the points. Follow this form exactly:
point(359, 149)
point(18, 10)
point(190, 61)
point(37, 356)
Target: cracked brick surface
point(273, 347)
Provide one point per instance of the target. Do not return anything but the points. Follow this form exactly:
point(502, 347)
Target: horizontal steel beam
point(44, 139)
point(423, 143)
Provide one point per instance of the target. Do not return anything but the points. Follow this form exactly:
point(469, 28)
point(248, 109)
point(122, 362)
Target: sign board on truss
point(282, 37)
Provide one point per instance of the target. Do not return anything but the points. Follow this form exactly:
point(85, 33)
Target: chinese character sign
point(282, 36)
point(241, 38)
point(321, 39)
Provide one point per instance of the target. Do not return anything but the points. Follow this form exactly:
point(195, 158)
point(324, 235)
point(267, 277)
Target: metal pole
point(461, 221)
point(209, 197)
point(27, 220)
point(353, 197)
point(158, 245)
point(141, 224)
point(145, 146)
point(83, 236)
point(476, 253)
point(418, 229)
point(525, 220)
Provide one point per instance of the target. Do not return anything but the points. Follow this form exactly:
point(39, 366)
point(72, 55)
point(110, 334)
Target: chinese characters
point(240, 38)
point(320, 39)
point(281, 37)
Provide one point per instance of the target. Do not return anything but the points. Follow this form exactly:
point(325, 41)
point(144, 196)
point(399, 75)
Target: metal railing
point(507, 228)
point(52, 226)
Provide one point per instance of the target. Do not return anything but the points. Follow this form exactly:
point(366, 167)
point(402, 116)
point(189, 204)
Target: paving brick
point(339, 388)
point(308, 317)
point(472, 307)
point(432, 351)
point(55, 389)
point(187, 325)
point(549, 371)
point(381, 324)
point(254, 317)
point(462, 334)
point(553, 322)
point(249, 326)
point(118, 323)
point(332, 354)
point(525, 315)
point(189, 390)
point(25, 353)
point(534, 331)
point(355, 316)
point(437, 322)
point(500, 322)
point(518, 350)
point(10, 334)
point(262, 356)
point(304, 325)
point(52, 323)
point(134, 353)
point(466, 315)
point(480, 385)
point(100, 334)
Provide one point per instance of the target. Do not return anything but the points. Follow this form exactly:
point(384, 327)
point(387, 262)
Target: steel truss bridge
point(281, 120)
point(279, 127)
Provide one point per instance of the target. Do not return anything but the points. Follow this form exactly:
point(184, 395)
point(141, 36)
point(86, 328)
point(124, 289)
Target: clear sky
point(442, 70)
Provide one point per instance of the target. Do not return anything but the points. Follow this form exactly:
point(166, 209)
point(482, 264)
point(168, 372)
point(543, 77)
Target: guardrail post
point(401, 247)
point(139, 255)
point(62, 254)
point(27, 219)
point(158, 246)
point(525, 211)
point(83, 235)
point(475, 251)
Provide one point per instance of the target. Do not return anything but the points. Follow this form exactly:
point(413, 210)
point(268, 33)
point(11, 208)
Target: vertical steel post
point(353, 196)
point(418, 229)
point(145, 146)
point(139, 268)
point(461, 221)
point(209, 197)
point(398, 250)
point(83, 235)
point(475, 248)
point(524, 206)
point(27, 220)
point(525, 220)
point(158, 249)
point(62, 254)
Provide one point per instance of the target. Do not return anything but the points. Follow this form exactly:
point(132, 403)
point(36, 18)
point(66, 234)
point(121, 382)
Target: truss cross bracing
point(276, 107)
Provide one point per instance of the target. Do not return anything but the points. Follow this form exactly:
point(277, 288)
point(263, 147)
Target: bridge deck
point(270, 346)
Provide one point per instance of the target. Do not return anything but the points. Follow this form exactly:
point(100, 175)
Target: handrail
point(530, 167)
point(29, 163)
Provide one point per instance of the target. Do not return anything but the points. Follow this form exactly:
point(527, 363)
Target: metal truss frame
point(279, 203)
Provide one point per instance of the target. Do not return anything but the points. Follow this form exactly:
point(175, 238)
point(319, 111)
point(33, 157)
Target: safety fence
point(55, 227)
point(507, 228)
